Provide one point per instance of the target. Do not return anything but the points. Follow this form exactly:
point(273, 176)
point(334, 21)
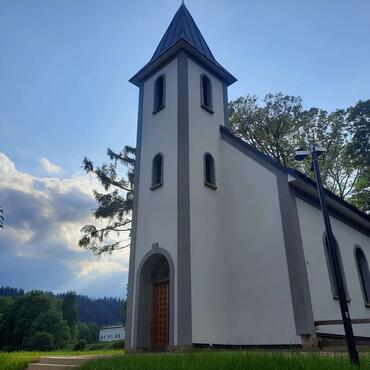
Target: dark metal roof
point(183, 27)
point(183, 34)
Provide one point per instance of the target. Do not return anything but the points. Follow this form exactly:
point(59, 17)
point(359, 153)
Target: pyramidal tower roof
point(183, 27)
point(183, 33)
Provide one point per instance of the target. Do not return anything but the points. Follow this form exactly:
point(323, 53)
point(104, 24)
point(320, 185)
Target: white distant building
point(111, 333)
point(228, 246)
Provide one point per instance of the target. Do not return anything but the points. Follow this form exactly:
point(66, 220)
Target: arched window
point(159, 93)
point(363, 273)
point(157, 171)
point(209, 171)
point(206, 93)
point(330, 264)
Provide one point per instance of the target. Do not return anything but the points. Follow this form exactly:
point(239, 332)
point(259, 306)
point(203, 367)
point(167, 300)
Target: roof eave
point(173, 50)
point(308, 186)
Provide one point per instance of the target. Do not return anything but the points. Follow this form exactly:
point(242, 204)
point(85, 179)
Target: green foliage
point(359, 126)
point(88, 332)
point(25, 316)
point(5, 306)
point(30, 314)
point(100, 311)
point(268, 127)
point(51, 321)
point(80, 345)
point(94, 332)
point(361, 195)
point(113, 206)
point(69, 310)
point(7, 291)
point(41, 341)
point(278, 123)
point(241, 360)
point(117, 344)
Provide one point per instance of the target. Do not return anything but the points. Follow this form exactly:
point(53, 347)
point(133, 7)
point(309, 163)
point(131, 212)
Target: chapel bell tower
point(182, 103)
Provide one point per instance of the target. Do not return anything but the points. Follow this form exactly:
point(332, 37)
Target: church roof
point(183, 27)
point(183, 33)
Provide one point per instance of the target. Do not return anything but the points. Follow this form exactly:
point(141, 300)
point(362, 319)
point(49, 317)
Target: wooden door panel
point(160, 320)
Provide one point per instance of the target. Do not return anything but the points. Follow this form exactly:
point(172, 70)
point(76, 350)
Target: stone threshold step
point(70, 360)
point(38, 366)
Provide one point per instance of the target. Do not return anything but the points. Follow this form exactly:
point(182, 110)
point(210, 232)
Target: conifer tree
point(114, 205)
point(1, 218)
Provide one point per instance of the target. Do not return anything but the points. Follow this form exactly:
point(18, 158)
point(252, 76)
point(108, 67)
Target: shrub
point(81, 344)
point(118, 344)
point(41, 341)
point(99, 345)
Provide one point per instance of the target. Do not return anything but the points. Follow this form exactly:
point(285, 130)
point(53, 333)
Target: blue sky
point(64, 93)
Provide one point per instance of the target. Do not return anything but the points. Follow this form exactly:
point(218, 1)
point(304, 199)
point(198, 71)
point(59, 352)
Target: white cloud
point(99, 267)
point(48, 166)
point(10, 177)
point(43, 217)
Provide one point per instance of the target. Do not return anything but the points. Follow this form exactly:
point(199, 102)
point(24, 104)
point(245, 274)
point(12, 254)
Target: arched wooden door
point(160, 314)
point(155, 303)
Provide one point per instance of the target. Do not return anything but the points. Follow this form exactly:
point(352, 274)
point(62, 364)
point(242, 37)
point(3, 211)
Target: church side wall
point(260, 304)
point(325, 307)
point(157, 209)
point(239, 277)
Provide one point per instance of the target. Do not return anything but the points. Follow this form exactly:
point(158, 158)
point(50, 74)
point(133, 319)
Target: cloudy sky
point(39, 244)
point(64, 67)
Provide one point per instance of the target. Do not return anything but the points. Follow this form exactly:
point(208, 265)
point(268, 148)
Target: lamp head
point(319, 149)
point(301, 154)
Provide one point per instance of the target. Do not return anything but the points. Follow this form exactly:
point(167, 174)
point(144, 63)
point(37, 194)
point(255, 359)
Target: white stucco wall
point(207, 255)
point(240, 286)
point(324, 306)
point(157, 209)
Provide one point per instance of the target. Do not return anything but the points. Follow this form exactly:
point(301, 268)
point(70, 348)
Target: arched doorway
point(155, 297)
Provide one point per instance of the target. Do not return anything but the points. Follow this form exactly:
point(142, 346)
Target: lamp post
point(315, 151)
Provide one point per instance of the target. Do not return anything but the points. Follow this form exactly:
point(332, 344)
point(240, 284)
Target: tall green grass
point(16, 360)
point(226, 361)
point(20, 360)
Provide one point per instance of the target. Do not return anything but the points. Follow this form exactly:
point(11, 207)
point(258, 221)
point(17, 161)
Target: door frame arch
point(143, 297)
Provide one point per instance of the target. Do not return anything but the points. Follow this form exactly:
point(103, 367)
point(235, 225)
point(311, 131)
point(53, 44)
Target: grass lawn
point(20, 360)
point(226, 361)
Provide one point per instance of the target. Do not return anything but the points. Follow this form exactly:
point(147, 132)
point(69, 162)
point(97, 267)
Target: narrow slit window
point(209, 171)
point(330, 264)
point(159, 93)
point(206, 93)
point(157, 171)
point(363, 273)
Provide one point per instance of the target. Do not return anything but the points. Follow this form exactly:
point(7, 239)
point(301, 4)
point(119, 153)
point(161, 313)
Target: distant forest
point(100, 311)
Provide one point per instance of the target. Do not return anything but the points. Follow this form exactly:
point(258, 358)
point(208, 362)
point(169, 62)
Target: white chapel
point(228, 246)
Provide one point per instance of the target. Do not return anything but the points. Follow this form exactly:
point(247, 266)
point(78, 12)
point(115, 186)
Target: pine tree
point(1, 218)
point(114, 205)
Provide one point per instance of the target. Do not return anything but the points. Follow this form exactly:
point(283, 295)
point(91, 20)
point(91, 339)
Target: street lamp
point(315, 151)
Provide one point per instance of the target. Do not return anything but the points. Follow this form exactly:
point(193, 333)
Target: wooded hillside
point(100, 311)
